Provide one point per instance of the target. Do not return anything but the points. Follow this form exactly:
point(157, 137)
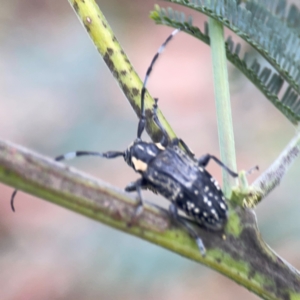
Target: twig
point(239, 253)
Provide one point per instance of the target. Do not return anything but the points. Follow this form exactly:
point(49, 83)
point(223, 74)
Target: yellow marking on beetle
point(160, 146)
point(139, 165)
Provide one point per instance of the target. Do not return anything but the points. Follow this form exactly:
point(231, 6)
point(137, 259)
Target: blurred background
point(57, 95)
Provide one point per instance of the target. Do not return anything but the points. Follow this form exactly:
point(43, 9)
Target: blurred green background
point(57, 95)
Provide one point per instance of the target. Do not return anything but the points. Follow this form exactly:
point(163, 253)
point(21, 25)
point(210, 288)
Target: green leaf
point(268, 82)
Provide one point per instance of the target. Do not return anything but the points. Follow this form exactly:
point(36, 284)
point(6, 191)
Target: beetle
point(170, 168)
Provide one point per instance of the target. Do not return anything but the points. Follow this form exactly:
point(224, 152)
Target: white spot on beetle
point(150, 152)
point(160, 146)
point(223, 206)
point(70, 155)
point(205, 214)
point(141, 147)
point(205, 199)
point(190, 205)
point(216, 185)
point(210, 194)
point(196, 210)
point(215, 214)
point(209, 203)
point(201, 169)
point(206, 189)
point(196, 192)
point(180, 195)
point(139, 165)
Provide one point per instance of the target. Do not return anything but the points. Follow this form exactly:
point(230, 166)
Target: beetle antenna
point(142, 121)
point(72, 155)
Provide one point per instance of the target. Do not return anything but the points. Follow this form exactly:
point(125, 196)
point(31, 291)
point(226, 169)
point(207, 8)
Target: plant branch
point(272, 177)
point(239, 253)
point(260, 270)
point(118, 63)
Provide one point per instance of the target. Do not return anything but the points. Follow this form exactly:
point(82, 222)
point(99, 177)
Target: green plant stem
point(222, 98)
point(242, 255)
point(118, 63)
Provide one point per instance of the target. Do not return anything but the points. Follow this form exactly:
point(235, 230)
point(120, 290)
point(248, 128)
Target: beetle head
point(139, 154)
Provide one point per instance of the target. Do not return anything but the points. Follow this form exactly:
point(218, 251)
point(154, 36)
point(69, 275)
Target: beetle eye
point(127, 157)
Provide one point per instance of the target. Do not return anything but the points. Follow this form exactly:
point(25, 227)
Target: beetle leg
point(164, 139)
point(131, 187)
point(71, 155)
point(174, 214)
point(204, 160)
point(141, 125)
point(186, 148)
point(137, 186)
point(177, 141)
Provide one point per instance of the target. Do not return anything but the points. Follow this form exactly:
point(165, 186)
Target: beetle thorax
point(139, 154)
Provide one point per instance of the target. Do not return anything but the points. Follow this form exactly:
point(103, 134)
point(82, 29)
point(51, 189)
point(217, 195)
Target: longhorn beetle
point(170, 171)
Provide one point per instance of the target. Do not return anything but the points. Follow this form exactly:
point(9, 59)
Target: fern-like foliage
point(289, 15)
point(257, 25)
point(268, 82)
